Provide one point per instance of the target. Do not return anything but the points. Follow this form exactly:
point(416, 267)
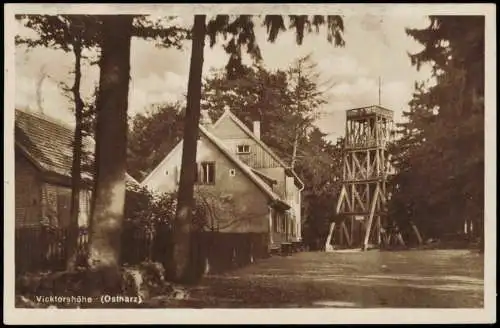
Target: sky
point(376, 46)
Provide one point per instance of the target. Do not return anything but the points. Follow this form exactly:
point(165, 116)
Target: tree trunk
point(77, 155)
point(295, 146)
point(111, 135)
point(95, 167)
point(39, 84)
point(185, 201)
point(297, 127)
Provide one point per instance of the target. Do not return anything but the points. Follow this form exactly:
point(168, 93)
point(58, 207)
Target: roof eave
point(280, 204)
point(292, 172)
point(258, 181)
point(265, 177)
point(30, 157)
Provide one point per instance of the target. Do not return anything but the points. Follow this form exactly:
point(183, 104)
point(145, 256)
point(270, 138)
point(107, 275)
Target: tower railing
point(370, 110)
point(365, 144)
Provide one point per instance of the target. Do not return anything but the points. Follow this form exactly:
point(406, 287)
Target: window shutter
point(198, 173)
point(275, 223)
point(287, 225)
point(213, 173)
point(177, 174)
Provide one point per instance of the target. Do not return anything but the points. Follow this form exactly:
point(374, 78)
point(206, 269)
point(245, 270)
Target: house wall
point(238, 205)
point(258, 158)
point(27, 192)
point(288, 190)
point(293, 197)
point(228, 129)
point(232, 136)
point(298, 213)
point(36, 198)
point(56, 202)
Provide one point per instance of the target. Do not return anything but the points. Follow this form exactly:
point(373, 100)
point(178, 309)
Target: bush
point(143, 208)
point(138, 205)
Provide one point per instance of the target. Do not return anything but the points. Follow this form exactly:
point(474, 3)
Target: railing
point(358, 112)
point(361, 144)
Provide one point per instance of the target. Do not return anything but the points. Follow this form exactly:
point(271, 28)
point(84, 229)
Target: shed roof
point(49, 144)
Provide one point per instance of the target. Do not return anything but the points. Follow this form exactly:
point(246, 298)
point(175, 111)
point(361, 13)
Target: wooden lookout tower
point(361, 206)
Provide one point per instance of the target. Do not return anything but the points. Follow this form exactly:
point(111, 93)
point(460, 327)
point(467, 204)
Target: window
point(243, 149)
point(207, 173)
point(279, 222)
point(232, 172)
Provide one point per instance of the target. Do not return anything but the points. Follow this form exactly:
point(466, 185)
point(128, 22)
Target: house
point(259, 192)
point(43, 161)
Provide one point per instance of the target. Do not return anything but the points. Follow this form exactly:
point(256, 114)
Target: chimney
point(256, 129)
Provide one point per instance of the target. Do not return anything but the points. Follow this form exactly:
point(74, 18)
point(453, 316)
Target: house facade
point(43, 161)
point(257, 191)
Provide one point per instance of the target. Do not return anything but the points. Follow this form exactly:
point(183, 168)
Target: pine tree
point(440, 156)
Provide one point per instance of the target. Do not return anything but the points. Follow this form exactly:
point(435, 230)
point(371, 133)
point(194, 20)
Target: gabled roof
point(228, 114)
point(49, 144)
point(163, 161)
point(245, 168)
point(242, 166)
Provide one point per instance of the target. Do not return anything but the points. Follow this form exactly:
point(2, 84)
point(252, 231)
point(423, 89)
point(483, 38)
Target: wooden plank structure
point(361, 205)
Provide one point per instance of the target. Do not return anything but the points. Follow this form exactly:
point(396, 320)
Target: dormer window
point(243, 149)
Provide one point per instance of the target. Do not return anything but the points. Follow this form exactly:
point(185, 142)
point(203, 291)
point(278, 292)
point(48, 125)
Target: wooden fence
point(43, 249)
point(226, 251)
point(40, 249)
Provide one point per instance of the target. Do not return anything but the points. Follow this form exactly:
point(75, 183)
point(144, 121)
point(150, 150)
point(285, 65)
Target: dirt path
point(411, 279)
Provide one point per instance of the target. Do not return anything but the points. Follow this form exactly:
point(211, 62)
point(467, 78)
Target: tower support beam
point(365, 170)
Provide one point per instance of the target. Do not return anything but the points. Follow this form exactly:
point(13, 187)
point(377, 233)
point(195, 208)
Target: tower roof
point(361, 112)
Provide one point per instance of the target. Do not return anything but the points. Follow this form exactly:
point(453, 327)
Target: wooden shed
point(43, 160)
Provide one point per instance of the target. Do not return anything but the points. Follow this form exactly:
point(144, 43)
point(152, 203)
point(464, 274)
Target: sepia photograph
point(249, 157)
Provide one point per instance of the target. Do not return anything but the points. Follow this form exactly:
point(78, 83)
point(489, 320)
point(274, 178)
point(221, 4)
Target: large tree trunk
point(77, 155)
point(185, 201)
point(111, 135)
point(95, 167)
